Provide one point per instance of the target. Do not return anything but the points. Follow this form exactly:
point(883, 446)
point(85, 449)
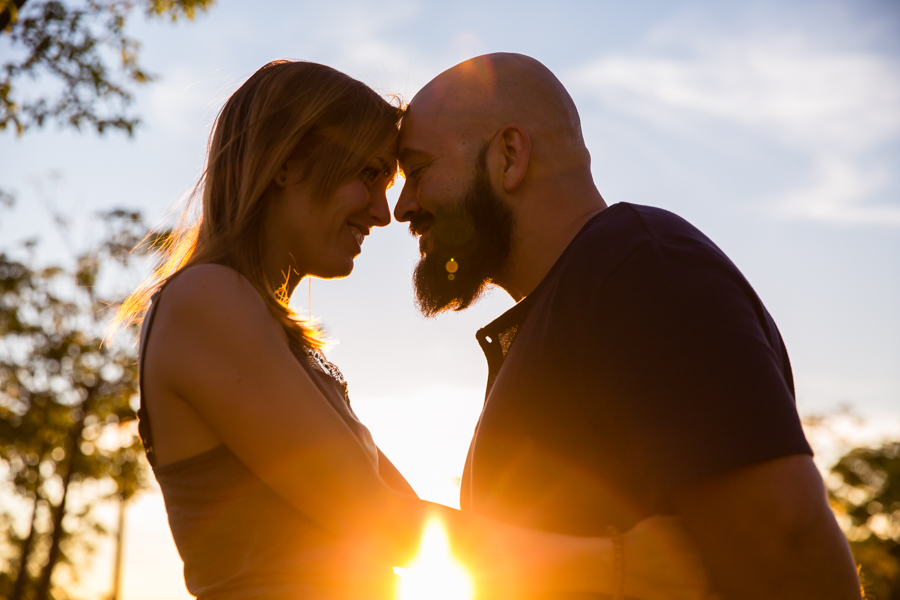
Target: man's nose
point(408, 204)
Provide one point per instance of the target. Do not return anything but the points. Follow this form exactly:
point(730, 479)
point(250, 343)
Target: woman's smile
point(359, 232)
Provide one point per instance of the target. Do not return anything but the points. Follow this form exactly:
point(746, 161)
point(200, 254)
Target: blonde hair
point(333, 122)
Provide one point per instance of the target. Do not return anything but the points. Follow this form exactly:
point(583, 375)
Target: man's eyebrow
point(410, 154)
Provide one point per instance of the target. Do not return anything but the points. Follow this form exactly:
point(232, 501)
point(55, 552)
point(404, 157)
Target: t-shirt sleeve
point(691, 364)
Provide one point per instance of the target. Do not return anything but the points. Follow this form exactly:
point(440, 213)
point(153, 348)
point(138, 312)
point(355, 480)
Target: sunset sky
point(773, 127)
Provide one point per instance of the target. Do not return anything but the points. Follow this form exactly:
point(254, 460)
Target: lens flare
point(434, 574)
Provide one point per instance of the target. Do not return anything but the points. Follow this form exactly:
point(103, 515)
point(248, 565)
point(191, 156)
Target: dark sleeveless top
point(237, 537)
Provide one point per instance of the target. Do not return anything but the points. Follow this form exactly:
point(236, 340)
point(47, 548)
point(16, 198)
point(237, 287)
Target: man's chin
point(463, 247)
point(438, 291)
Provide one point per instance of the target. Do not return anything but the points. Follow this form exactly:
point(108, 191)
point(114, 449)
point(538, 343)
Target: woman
point(272, 486)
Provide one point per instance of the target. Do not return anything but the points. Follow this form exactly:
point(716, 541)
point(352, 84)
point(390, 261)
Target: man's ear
point(514, 147)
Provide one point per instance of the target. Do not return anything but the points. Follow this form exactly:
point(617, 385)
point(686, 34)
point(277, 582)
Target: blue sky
point(774, 127)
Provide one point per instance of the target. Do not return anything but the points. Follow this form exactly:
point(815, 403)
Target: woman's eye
point(370, 174)
point(391, 176)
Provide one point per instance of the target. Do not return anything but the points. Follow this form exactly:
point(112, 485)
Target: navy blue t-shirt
point(642, 361)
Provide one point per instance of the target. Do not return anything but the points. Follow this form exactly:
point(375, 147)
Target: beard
point(471, 242)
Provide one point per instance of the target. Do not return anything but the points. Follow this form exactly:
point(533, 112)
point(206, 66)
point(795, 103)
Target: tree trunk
point(6, 15)
point(120, 539)
point(74, 453)
point(22, 576)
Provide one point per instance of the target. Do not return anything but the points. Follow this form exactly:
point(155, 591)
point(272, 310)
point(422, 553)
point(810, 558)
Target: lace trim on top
point(506, 338)
point(317, 361)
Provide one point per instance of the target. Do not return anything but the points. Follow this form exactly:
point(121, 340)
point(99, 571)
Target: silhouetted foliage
point(864, 487)
point(82, 57)
point(67, 437)
point(65, 443)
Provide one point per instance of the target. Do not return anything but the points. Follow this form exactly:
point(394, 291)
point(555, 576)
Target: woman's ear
point(515, 149)
point(281, 176)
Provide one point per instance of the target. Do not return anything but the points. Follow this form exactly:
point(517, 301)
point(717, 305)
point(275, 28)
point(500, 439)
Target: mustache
point(420, 221)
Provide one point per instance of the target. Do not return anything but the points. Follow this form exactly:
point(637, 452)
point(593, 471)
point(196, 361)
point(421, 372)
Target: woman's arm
point(218, 349)
point(392, 476)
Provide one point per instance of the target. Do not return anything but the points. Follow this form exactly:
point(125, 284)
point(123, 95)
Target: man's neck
point(542, 237)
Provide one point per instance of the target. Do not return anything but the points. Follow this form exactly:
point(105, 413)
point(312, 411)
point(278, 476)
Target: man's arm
point(766, 531)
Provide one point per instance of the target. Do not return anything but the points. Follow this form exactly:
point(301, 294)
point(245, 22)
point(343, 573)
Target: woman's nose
point(379, 211)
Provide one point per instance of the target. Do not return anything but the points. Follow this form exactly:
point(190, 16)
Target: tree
point(61, 391)
point(80, 53)
point(67, 440)
point(864, 487)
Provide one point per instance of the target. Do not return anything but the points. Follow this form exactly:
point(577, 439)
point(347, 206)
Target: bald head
point(476, 98)
point(497, 178)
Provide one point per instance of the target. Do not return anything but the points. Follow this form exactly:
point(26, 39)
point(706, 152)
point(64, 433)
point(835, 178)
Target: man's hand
point(766, 531)
point(661, 562)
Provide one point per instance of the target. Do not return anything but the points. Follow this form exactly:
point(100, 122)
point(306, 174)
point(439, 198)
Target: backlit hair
point(333, 122)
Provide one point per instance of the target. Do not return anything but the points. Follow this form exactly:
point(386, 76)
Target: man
point(638, 373)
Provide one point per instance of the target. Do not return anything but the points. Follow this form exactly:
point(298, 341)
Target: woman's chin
point(336, 271)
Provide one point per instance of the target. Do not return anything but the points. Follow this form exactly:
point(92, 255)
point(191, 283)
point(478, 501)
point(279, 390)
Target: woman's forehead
point(387, 156)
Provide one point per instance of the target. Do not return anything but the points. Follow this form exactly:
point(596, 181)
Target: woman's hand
point(661, 562)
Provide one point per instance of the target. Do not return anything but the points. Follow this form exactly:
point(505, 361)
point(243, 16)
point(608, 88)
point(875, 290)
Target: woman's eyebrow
point(386, 165)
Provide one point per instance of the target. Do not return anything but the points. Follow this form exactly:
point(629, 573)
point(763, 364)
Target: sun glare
point(434, 574)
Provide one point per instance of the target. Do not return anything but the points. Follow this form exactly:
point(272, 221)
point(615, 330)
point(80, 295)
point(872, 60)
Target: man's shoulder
point(630, 225)
point(621, 232)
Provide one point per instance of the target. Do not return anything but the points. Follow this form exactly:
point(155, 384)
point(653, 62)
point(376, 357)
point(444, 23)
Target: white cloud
point(375, 47)
point(361, 42)
point(371, 46)
point(837, 188)
point(348, 36)
point(185, 103)
point(836, 108)
point(464, 46)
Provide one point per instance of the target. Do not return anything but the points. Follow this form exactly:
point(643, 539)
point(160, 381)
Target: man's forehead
point(433, 125)
point(420, 135)
point(409, 155)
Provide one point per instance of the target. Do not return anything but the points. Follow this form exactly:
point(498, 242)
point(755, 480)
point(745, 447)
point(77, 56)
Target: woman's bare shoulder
point(217, 304)
point(211, 292)
point(211, 319)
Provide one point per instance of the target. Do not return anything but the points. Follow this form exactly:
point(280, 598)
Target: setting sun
point(434, 574)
